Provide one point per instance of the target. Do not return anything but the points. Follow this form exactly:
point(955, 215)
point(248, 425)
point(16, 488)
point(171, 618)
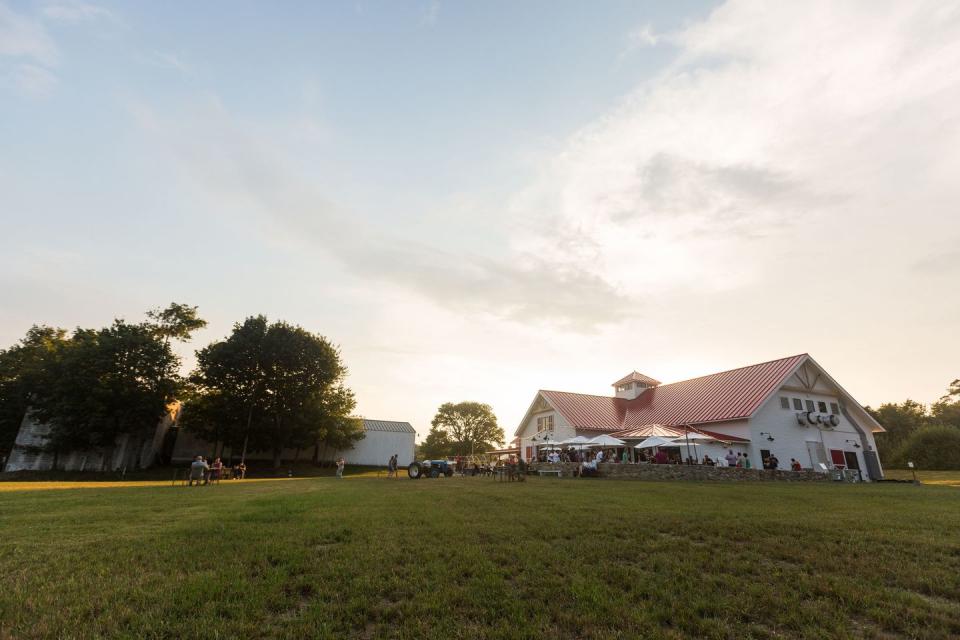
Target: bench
point(546, 472)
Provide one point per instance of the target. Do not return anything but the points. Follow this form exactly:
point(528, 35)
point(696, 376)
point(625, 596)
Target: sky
point(477, 200)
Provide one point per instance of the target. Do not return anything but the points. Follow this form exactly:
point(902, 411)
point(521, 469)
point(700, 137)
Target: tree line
point(928, 436)
point(265, 387)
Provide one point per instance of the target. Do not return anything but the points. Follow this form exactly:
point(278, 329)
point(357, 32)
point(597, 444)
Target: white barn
point(790, 408)
point(382, 439)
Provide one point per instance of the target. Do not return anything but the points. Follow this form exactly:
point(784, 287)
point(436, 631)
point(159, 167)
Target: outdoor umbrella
point(655, 441)
point(579, 440)
point(604, 440)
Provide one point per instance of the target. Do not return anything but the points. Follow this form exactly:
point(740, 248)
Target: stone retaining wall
point(697, 472)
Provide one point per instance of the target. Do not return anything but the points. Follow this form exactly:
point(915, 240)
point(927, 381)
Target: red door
point(838, 459)
point(529, 455)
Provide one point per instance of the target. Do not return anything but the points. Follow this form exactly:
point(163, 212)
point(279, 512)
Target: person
point(660, 457)
point(216, 469)
point(241, 470)
point(521, 469)
point(795, 465)
point(707, 460)
point(774, 463)
point(739, 464)
point(198, 470)
point(746, 461)
point(340, 464)
point(599, 456)
point(392, 466)
point(731, 458)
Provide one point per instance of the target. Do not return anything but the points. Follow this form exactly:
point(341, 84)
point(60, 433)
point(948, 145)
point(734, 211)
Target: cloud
point(75, 11)
point(27, 52)
point(24, 38)
point(778, 131)
point(31, 80)
point(242, 169)
point(430, 14)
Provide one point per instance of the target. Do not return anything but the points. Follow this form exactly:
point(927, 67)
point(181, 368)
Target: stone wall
point(698, 473)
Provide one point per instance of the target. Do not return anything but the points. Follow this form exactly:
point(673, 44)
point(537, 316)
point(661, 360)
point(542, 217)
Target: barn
point(790, 408)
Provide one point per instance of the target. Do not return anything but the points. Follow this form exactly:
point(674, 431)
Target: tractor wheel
point(434, 473)
point(414, 471)
point(448, 472)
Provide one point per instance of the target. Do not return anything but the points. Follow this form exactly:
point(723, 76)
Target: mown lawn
point(474, 558)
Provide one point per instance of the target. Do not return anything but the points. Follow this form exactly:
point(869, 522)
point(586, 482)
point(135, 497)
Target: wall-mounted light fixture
point(855, 444)
point(769, 436)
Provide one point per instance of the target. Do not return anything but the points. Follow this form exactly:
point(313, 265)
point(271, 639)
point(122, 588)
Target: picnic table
point(547, 472)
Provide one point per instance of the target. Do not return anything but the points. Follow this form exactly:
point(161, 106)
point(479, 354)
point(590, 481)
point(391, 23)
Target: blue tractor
point(429, 469)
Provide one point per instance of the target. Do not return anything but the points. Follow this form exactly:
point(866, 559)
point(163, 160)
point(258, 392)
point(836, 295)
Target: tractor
point(429, 468)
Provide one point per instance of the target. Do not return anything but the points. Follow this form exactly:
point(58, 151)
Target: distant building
point(381, 439)
point(126, 452)
point(790, 408)
point(169, 443)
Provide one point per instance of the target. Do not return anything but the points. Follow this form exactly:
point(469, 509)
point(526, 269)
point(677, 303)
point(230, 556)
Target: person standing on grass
point(216, 469)
point(746, 461)
point(774, 463)
point(340, 464)
point(795, 465)
point(198, 470)
point(731, 458)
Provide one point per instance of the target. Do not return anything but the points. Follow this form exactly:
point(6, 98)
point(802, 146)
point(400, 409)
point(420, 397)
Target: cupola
point(633, 384)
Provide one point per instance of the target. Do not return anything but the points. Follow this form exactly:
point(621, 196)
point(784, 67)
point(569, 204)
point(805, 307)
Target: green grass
point(949, 478)
point(474, 558)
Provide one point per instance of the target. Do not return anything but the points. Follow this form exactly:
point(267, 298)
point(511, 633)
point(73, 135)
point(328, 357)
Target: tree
point(20, 368)
point(467, 426)
point(930, 447)
point(273, 386)
point(178, 321)
point(101, 384)
point(899, 421)
point(436, 445)
point(946, 411)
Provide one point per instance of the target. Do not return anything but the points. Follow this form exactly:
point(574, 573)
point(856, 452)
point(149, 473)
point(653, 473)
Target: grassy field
point(474, 558)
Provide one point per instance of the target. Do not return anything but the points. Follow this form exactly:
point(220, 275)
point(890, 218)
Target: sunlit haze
point(479, 200)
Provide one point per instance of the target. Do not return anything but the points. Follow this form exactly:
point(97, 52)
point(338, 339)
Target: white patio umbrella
point(603, 440)
point(579, 440)
point(654, 441)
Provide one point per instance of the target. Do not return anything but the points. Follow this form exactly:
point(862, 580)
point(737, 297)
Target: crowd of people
point(588, 458)
point(203, 472)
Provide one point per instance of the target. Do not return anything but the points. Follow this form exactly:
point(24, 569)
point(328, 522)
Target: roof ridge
point(747, 366)
point(574, 393)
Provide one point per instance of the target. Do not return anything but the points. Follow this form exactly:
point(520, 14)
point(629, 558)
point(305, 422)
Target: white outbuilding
point(382, 439)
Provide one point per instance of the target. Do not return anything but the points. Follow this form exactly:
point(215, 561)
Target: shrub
point(936, 447)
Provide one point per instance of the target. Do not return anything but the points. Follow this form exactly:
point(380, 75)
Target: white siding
point(790, 438)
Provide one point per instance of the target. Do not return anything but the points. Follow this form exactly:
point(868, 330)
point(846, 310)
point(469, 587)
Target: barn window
point(811, 406)
point(834, 407)
point(784, 402)
point(822, 406)
point(798, 404)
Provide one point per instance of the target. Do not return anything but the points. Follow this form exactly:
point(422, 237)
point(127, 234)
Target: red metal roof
point(636, 376)
point(719, 397)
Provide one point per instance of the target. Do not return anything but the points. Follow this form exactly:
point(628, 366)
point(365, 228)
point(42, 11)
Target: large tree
point(272, 387)
point(20, 369)
point(105, 383)
point(466, 427)
point(900, 421)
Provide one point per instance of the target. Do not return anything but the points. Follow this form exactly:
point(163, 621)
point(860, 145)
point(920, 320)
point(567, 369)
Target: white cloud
point(75, 11)
point(31, 80)
point(25, 38)
point(815, 123)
